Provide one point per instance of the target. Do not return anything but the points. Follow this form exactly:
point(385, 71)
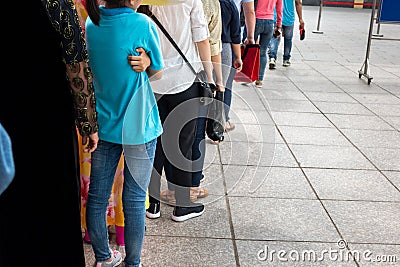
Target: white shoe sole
point(152, 215)
point(186, 217)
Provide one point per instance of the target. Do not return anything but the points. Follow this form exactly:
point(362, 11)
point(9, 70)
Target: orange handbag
point(251, 64)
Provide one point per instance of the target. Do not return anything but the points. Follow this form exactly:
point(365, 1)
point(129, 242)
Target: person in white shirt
point(178, 102)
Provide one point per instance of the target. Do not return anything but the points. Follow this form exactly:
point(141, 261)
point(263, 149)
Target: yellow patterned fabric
point(212, 11)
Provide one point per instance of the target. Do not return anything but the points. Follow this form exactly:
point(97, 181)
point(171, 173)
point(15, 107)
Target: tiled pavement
point(319, 177)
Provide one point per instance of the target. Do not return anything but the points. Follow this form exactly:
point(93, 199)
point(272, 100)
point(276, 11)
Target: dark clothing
point(230, 22)
point(40, 216)
point(178, 114)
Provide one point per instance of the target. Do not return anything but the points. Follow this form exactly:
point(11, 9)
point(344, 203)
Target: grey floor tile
point(283, 95)
point(384, 109)
point(394, 121)
point(180, 251)
point(372, 138)
point(313, 136)
point(330, 97)
point(383, 158)
point(296, 254)
point(274, 182)
point(360, 122)
point(263, 133)
point(256, 154)
point(342, 108)
point(377, 98)
point(394, 177)
point(366, 222)
point(292, 106)
point(320, 86)
point(376, 254)
point(281, 219)
point(330, 157)
point(300, 119)
point(352, 185)
point(362, 89)
point(215, 214)
point(250, 116)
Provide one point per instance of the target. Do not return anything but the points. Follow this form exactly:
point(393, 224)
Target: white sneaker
point(286, 63)
point(272, 63)
point(259, 84)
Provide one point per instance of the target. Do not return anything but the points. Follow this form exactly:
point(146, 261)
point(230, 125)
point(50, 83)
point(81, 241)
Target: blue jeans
point(264, 30)
point(287, 32)
point(138, 160)
point(228, 74)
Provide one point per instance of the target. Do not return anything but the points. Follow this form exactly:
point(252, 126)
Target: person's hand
point(301, 24)
point(238, 63)
point(90, 142)
point(139, 63)
point(249, 41)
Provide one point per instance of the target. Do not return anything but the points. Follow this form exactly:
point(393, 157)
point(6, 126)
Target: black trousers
point(178, 114)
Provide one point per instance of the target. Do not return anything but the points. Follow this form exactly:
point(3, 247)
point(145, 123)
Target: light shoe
point(272, 63)
point(286, 63)
point(116, 261)
point(259, 84)
point(153, 212)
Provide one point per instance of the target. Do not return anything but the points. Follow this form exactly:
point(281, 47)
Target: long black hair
point(93, 10)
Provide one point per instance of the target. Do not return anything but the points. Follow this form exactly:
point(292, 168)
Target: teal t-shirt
point(288, 13)
point(125, 102)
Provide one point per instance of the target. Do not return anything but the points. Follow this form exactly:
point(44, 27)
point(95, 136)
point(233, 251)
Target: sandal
point(198, 192)
point(168, 196)
point(229, 126)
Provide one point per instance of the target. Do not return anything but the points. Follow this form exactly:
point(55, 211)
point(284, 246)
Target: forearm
point(154, 74)
point(80, 78)
point(250, 19)
point(205, 56)
point(216, 61)
point(299, 11)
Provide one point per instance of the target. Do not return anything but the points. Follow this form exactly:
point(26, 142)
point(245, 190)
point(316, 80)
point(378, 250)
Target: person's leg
point(139, 164)
point(159, 158)
point(228, 74)
point(104, 164)
point(199, 146)
point(287, 41)
point(273, 47)
point(265, 37)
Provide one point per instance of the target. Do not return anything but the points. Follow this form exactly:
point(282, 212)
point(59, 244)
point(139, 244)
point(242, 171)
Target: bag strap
point(154, 18)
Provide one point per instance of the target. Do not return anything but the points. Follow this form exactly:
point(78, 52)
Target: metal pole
point(378, 29)
point(319, 18)
point(365, 72)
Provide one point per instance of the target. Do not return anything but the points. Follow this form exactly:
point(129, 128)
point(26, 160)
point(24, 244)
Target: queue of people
point(124, 102)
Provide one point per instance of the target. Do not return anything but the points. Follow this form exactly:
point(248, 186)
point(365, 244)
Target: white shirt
point(238, 3)
point(187, 24)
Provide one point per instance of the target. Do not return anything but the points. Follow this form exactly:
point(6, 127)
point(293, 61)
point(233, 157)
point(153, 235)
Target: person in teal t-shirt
point(288, 20)
point(128, 118)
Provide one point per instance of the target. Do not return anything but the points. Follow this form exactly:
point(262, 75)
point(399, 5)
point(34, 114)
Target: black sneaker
point(153, 212)
point(181, 214)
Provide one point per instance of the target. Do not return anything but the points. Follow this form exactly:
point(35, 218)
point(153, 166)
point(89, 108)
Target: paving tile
point(383, 158)
point(393, 121)
point(330, 157)
point(182, 251)
point(292, 106)
point(281, 219)
point(394, 177)
point(296, 254)
point(215, 214)
point(286, 95)
point(276, 182)
point(256, 154)
point(377, 98)
point(313, 136)
point(300, 119)
point(330, 97)
point(366, 222)
point(360, 122)
point(372, 138)
point(352, 185)
point(363, 89)
point(342, 108)
point(384, 109)
point(263, 133)
point(250, 116)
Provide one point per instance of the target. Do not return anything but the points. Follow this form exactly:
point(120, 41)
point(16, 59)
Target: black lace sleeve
point(64, 17)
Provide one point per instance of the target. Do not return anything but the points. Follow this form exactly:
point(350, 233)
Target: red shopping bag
point(251, 64)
